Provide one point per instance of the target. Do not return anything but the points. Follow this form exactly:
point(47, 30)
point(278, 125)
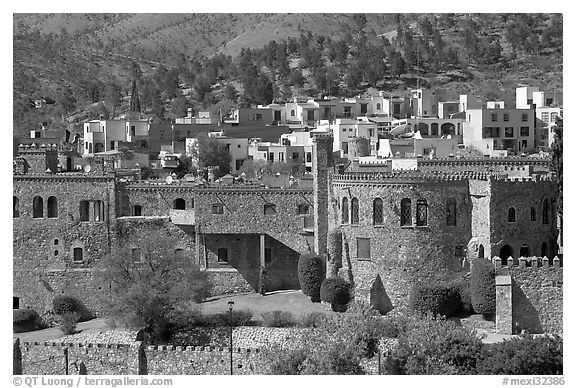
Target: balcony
point(183, 217)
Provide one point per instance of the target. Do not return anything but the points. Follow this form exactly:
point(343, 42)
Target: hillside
point(82, 65)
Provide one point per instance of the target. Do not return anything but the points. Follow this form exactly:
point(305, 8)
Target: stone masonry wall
point(404, 255)
point(537, 296)
point(43, 247)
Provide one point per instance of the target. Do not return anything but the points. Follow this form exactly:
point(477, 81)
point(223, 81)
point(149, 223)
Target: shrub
point(68, 322)
point(26, 320)
point(334, 247)
point(463, 287)
point(278, 318)
point(313, 319)
point(427, 345)
point(62, 304)
point(538, 356)
point(483, 286)
point(437, 299)
point(335, 291)
point(238, 318)
point(310, 275)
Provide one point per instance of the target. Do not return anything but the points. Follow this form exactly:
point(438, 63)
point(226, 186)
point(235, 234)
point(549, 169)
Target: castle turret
point(321, 163)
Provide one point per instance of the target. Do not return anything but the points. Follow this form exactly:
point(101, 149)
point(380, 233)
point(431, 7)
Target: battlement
point(414, 176)
point(528, 262)
point(322, 136)
point(506, 161)
point(63, 344)
point(533, 178)
point(215, 349)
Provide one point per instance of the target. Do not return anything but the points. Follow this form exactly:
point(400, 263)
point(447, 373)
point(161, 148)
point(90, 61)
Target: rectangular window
point(524, 117)
point(545, 117)
point(347, 111)
point(525, 131)
point(459, 251)
point(509, 132)
point(281, 156)
point(363, 248)
point(258, 116)
point(345, 147)
point(78, 255)
point(309, 157)
point(271, 156)
point(363, 108)
point(553, 116)
point(84, 211)
point(295, 155)
point(217, 208)
point(523, 144)
point(506, 117)
point(494, 117)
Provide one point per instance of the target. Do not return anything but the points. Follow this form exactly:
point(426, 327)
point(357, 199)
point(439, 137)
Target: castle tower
point(321, 163)
point(39, 158)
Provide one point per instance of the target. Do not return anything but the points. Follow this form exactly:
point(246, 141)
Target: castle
point(405, 226)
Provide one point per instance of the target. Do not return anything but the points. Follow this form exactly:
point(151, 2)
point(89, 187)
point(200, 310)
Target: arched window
point(222, 255)
point(303, 208)
point(524, 251)
point(505, 253)
point(545, 212)
point(137, 210)
point(78, 254)
point(217, 208)
point(38, 207)
point(421, 212)
point(511, 214)
point(378, 106)
point(481, 251)
point(354, 210)
point(52, 207)
point(98, 211)
point(378, 211)
point(84, 211)
point(544, 250)
point(345, 214)
point(405, 212)
point(532, 214)
point(451, 212)
point(179, 204)
point(269, 208)
point(16, 207)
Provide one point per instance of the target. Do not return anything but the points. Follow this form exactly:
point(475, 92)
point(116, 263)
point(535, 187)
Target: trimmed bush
point(335, 291)
point(68, 322)
point(239, 318)
point(310, 275)
point(278, 318)
point(26, 320)
point(62, 304)
point(538, 356)
point(313, 319)
point(334, 247)
point(483, 286)
point(438, 299)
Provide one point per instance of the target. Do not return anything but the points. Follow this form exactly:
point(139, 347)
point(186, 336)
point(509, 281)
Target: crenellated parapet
point(414, 176)
point(528, 262)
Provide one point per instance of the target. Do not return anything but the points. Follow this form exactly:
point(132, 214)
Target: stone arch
point(423, 128)
point(37, 207)
point(98, 147)
point(52, 207)
point(505, 252)
point(448, 129)
point(179, 204)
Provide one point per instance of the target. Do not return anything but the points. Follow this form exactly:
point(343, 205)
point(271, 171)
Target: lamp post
point(230, 307)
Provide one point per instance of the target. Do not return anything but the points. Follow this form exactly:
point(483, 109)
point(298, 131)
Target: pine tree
point(134, 98)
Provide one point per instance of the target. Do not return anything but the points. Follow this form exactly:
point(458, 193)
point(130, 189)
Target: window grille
point(378, 211)
point(406, 212)
point(511, 215)
point(345, 214)
point(355, 219)
point(421, 212)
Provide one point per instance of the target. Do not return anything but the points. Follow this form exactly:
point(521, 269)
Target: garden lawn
point(291, 301)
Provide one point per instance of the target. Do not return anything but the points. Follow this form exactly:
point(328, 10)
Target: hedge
point(483, 286)
point(335, 291)
point(438, 299)
point(310, 275)
point(26, 320)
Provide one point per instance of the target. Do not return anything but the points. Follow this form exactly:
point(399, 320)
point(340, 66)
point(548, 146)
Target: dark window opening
point(217, 208)
point(78, 254)
point(56, 241)
point(511, 215)
point(303, 208)
point(38, 207)
point(363, 248)
point(222, 255)
point(15, 302)
point(16, 208)
point(98, 211)
point(421, 212)
point(345, 214)
point(545, 212)
point(137, 210)
point(56, 252)
point(532, 214)
point(506, 252)
point(459, 251)
point(84, 211)
point(481, 251)
point(179, 204)
point(355, 217)
point(524, 251)
point(544, 250)
point(378, 211)
point(405, 212)
point(451, 212)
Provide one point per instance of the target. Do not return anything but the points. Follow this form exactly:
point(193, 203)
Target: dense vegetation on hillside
point(88, 68)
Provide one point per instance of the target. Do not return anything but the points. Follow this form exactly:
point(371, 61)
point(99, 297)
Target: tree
point(112, 97)
point(134, 98)
point(67, 100)
point(180, 106)
point(208, 151)
point(149, 280)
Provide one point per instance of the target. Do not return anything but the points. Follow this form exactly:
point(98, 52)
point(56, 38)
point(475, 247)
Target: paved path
point(92, 326)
